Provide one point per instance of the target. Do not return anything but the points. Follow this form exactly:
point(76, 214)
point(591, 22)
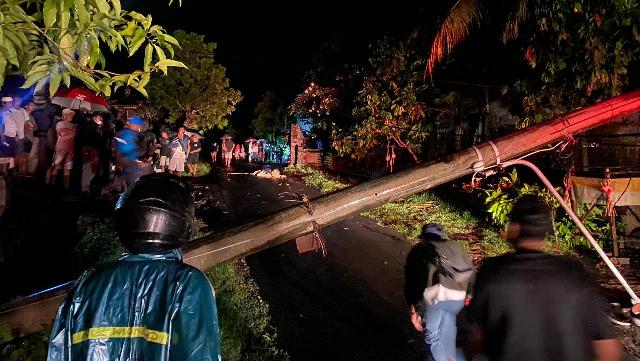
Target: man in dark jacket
point(437, 275)
point(530, 305)
point(91, 145)
point(148, 305)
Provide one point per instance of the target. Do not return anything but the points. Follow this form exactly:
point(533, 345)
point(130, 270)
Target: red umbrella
point(80, 98)
point(250, 140)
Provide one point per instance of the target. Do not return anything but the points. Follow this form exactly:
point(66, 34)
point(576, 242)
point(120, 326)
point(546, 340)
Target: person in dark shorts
point(165, 151)
point(194, 154)
point(530, 305)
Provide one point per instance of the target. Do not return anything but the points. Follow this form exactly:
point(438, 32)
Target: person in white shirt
point(21, 117)
point(7, 135)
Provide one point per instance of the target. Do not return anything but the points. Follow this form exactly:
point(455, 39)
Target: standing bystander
point(63, 156)
point(530, 305)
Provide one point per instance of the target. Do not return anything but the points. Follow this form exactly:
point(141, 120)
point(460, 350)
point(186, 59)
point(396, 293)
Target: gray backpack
point(452, 261)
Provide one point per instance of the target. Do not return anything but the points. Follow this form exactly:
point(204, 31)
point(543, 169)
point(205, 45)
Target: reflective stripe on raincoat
point(142, 307)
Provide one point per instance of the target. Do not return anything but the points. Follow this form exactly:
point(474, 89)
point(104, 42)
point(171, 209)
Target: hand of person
point(416, 319)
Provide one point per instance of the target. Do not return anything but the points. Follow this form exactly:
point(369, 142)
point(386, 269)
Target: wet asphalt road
point(347, 306)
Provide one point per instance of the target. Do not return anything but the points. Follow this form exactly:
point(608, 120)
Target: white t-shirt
point(66, 134)
point(10, 125)
point(21, 116)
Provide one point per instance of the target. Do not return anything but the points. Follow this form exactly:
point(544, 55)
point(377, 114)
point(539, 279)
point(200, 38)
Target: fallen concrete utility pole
point(30, 314)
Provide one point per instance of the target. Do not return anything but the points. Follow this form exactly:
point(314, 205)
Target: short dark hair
point(533, 216)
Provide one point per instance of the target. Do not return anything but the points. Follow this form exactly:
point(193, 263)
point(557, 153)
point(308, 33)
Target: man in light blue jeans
point(437, 275)
point(439, 324)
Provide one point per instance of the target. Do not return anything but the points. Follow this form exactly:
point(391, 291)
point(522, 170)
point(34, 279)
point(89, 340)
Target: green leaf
point(117, 8)
point(23, 38)
point(102, 61)
point(9, 53)
point(17, 43)
point(131, 79)
point(170, 62)
point(107, 90)
point(103, 6)
point(148, 56)
point(122, 77)
point(136, 16)
point(160, 52)
point(54, 84)
point(84, 50)
point(86, 79)
point(171, 40)
point(137, 40)
point(163, 68)
point(146, 22)
point(95, 50)
point(141, 90)
point(67, 48)
point(130, 29)
point(64, 13)
point(144, 79)
point(66, 78)
point(39, 69)
point(170, 48)
point(49, 12)
point(34, 78)
point(81, 10)
point(3, 65)
point(65, 16)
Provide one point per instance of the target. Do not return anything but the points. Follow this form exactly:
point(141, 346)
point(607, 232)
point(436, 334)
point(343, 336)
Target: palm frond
point(516, 18)
point(453, 31)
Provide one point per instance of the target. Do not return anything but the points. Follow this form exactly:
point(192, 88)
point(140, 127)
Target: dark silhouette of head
point(531, 219)
point(155, 214)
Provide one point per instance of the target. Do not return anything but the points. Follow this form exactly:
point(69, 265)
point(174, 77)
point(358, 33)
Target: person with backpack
point(437, 276)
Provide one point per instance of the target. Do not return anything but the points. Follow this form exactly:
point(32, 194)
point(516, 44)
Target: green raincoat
point(141, 307)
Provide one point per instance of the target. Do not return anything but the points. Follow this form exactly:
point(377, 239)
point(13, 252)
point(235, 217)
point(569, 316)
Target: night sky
point(269, 45)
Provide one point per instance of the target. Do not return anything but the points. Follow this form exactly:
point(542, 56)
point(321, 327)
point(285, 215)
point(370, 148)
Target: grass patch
point(245, 329)
point(99, 243)
point(314, 178)
point(32, 347)
point(407, 217)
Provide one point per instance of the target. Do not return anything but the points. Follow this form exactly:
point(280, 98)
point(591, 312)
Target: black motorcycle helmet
point(155, 214)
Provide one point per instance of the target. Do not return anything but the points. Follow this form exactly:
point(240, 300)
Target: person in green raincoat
point(148, 305)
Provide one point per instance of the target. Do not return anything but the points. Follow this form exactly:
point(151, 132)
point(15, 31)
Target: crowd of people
point(254, 151)
point(88, 151)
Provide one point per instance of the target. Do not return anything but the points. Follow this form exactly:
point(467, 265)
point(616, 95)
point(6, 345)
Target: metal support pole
point(574, 217)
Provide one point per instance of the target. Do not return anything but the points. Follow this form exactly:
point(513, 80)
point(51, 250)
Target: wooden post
point(612, 220)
